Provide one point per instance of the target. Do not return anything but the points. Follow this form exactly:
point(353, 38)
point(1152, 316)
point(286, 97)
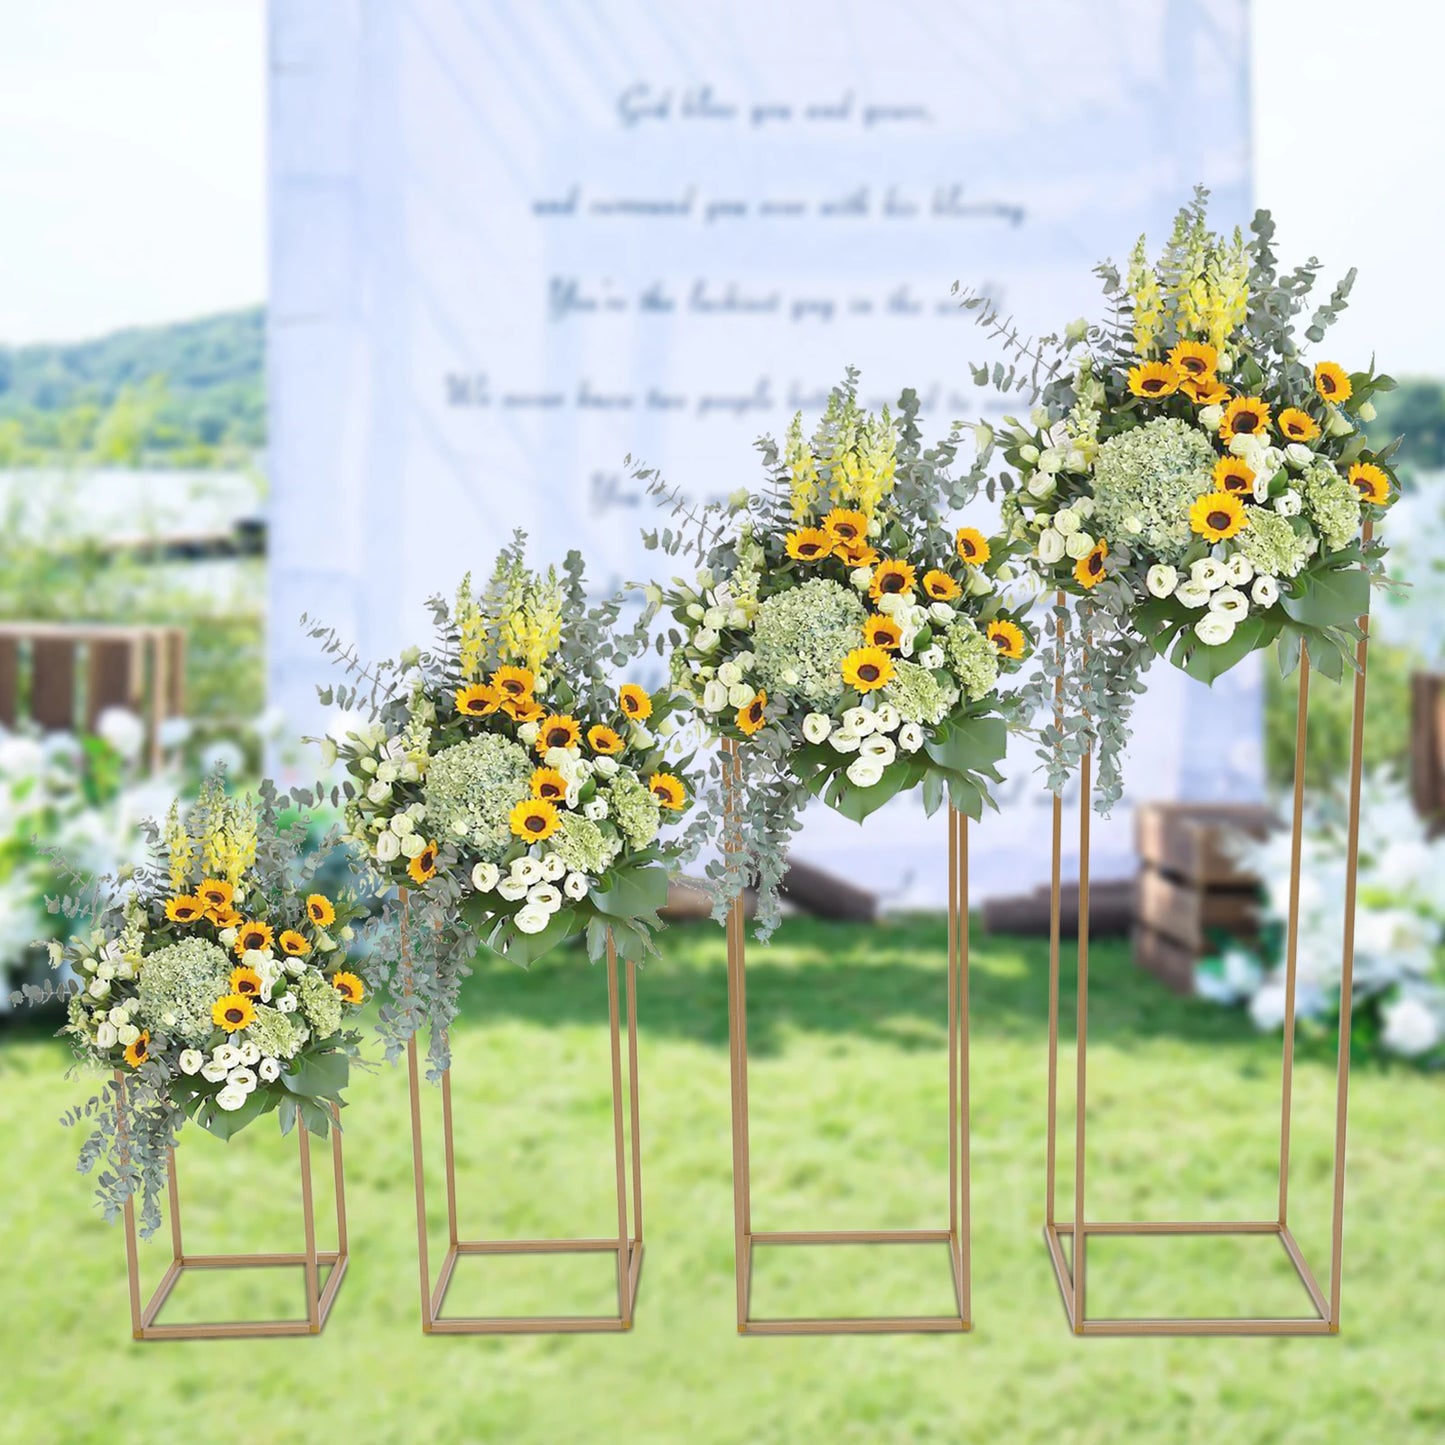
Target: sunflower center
point(557, 738)
point(1194, 365)
point(536, 823)
point(868, 672)
point(234, 1015)
point(1219, 520)
point(810, 549)
point(1096, 564)
point(1327, 384)
point(755, 712)
point(1247, 422)
point(1154, 384)
point(845, 531)
point(891, 583)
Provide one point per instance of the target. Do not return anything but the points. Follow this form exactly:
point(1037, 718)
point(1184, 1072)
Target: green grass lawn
point(849, 1130)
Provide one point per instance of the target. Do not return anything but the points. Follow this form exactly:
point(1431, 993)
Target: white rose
point(1265, 592)
point(402, 824)
point(1028, 454)
point(387, 772)
point(1210, 417)
point(1229, 602)
point(861, 578)
point(485, 877)
point(213, 1072)
point(98, 988)
point(1051, 546)
point(941, 611)
point(269, 1071)
point(595, 810)
point(705, 639)
point(1238, 570)
point(226, 938)
point(532, 919)
point(730, 673)
point(1041, 485)
point(931, 657)
point(553, 867)
point(1298, 455)
point(1051, 459)
point(843, 740)
point(890, 602)
point(715, 696)
point(413, 846)
point(1207, 572)
point(1161, 580)
point(858, 720)
point(910, 737)
point(106, 1035)
point(865, 772)
point(1075, 460)
point(1288, 504)
point(378, 791)
point(1068, 522)
point(886, 718)
point(1079, 545)
point(119, 1014)
point(878, 747)
point(231, 1098)
point(607, 767)
point(242, 1079)
point(575, 885)
point(1214, 628)
point(388, 847)
point(1192, 594)
point(817, 726)
point(190, 1061)
point(127, 1034)
point(715, 618)
point(740, 695)
point(512, 889)
point(528, 734)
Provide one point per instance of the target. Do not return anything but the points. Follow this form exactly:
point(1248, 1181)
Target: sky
point(133, 151)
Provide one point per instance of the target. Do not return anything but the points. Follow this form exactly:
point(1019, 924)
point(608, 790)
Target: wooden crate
point(1168, 960)
point(1188, 840)
point(1427, 744)
point(1191, 916)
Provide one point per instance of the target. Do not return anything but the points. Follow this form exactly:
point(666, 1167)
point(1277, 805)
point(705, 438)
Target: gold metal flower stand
point(319, 1298)
point(957, 1234)
point(1323, 1317)
point(626, 1245)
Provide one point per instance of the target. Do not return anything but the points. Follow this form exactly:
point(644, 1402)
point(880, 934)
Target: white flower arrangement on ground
point(213, 981)
point(515, 793)
point(1399, 970)
point(848, 639)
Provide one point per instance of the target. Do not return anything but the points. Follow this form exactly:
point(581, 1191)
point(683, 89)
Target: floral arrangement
point(214, 981)
point(506, 791)
point(1399, 971)
point(1190, 478)
point(840, 632)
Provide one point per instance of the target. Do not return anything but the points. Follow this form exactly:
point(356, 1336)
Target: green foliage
point(1415, 410)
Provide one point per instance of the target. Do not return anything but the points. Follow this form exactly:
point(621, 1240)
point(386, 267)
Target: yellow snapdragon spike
point(807, 485)
point(180, 853)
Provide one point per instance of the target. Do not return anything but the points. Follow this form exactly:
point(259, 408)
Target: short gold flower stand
point(1323, 1317)
point(319, 1298)
point(625, 1245)
point(956, 1235)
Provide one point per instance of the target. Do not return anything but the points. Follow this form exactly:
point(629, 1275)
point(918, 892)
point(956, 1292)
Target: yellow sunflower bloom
point(137, 1053)
point(215, 894)
point(185, 909)
point(972, 546)
point(478, 700)
point(253, 935)
point(348, 986)
point(867, 668)
point(604, 740)
point(1244, 416)
point(750, 716)
point(513, 682)
point(1371, 482)
point(533, 819)
point(856, 554)
point(940, 586)
point(320, 911)
point(1194, 359)
point(1297, 425)
point(809, 544)
point(891, 578)
point(524, 709)
point(294, 943)
point(549, 784)
point(558, 732)
point(884, 632)
point(668, 790)
point(1089, 569)
point(634, 701)
point(1205, 390)
point(1332, 382)
point(845, 526)
point(224, 917)
point(1153, 379)
point(246, 981)
point(1217, 516)
point(1231, 474)
point(232, 1013)
point(423, 868)
point(1007, 638)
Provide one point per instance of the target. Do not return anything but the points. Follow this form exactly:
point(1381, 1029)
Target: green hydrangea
point(804, 634)
point(972, 657)
point(917, 693)
point(582, 845)
point(177, 986)
point(277, 1035)
point(1333, 505)
point(472, 787)
point(634, 809)
point(1149, 476)
point(1271, 544)
point(320, 1003)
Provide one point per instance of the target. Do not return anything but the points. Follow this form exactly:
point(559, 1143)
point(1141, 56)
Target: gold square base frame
point(626, 1245)
point(957, 1234)
point(319, 1298)
point(1072, 1281)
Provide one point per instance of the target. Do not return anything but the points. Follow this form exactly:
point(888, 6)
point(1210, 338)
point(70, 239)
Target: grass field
point(849, 1099)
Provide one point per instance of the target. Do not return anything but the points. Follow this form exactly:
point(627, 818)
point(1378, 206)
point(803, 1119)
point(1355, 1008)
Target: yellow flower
point(1194, 360)
point(348, 986)
point(246, 981)
point(478, 700)
point(846, 526)
point(1297, 425)
point(320, 911)
point(232, 1013)
point(856, 554)
point(549, 784)
point(1007, 638)
point(216, 894)
point(603, 740)
point(224, 917)
point(1204, 390)
point(1332, 382)
point(137, 1053)
point(1231, 474)
point(940, 586)
point(867, 668)
point(533, 819)
point(524, 709)
point(294, 944)
point(1153, 379)
point(1244, 416)
point(972, 547)
point(750, 716)
point(513, 682)
point(185, 909)
point(1217, 516)
point(1372, 483)
point(1089, 569)
point(253, 935)
point(558, 732)
point(809, 544)
point(884, 632)
point(634, 701)
point(423, 868)
point(668, 790)
point(891, 578)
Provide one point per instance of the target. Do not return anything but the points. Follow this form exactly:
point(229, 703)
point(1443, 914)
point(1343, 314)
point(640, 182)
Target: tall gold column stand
point(318, 1299)
point(957, 1234)
point(627, 1246)
point(1324, 1318)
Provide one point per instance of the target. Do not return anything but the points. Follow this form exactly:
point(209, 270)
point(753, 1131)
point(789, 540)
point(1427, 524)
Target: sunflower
point(1089, 569)
point(1297, 425)
point(891, 578)
point(294, 944)
point(1371, 482)
point(1007, 638)
point(861, 553)
point(940, 586)
point(1244, 416)
point(809, 544)
point(348, 986)
point(971, 546)
point(423, 867)
point(1332, 383)
point(320, 911)
point(634, 701)
point(253, 935)
point(1205, 390)
point(1232, 474)
point(558, 732)
point(845, 526)
point(533, 819)
point(246, 981)
point(604, 740)
point(224, 917)
point(549, 784)
point(750, 715)
point(884, 632)
point(513, 682)
point(1217, 516)
point(187, 908)
point(215, 895)
point(1194, 359)
point(137, 1053)
point(867, 668)
point(524, 709)
point(478, 700)
point(1153, 379)
point(233, 1012)
point(668, 790)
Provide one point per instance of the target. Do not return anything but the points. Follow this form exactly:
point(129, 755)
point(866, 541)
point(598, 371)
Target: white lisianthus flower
point(553, 867)
point(1161, 580)
point(1075, 460)
point(98, 987)
point(844, 740)
point(910, 737)
point(886, 718)
point(231, 1098)
point(1298, 455)
point(595, 810)
point(1242, 444)
point(512, 889)
point(865, 772)
point(705, 639)
point(106, 1035)
point(890, 602)
point(1067, 521)
point(1214, 628)
point(531, 919)
point(387, 772)
point(1192, 594)
point(1265, 592)
point(715, 696)
point(739, 695)
point(485, 877)
point(931, 657)
point(858, 720)
point(545, 895)
point(413, 846)
point(730, 673)
point(695, 611)
point(878, 747)
point(861, 578)
point(227, 1055)
point(1051, 546)
point(1041, 485)
point(1229, 602)
point(1078, 545)
point(1051, 459)
point(127, 1034)
point(1028, 454)
point(212, 1072)
point(575, 885)
point(402, 824)
point(243, 1079)
point(817, 726)
point(1207, 572)
point(388, 847)
point(1238, 570)
point(269, 1070)
point(286, 1004)
point(941, 611)
point(378, 792)
point(1288, 504)
point(1210, 417)
point(527, 870)
point(329, 753)
point(190, 1061)
point(716, 618)
point(250, 1054)
point(607, 767)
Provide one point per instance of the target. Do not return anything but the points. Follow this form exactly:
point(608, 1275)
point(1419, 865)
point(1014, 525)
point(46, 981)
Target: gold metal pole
point(1082, 1040)
point(965, 1142)
point(132, 1253)
point(623, 1304)
point(1291, 946)
point(1055, 904)
point(953, 1096)
point(635, 1098)
point(417, 1161)
point(308, 1217)
point(338, 1174)
point(449, 1147)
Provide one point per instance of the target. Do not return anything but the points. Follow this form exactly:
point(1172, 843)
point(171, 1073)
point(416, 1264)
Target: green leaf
point(223, 1123)
point(524, 949)
point(971, 745)
point(1207, 663)
point(318, 1076)
point(1332, 597)
point(632, 892)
